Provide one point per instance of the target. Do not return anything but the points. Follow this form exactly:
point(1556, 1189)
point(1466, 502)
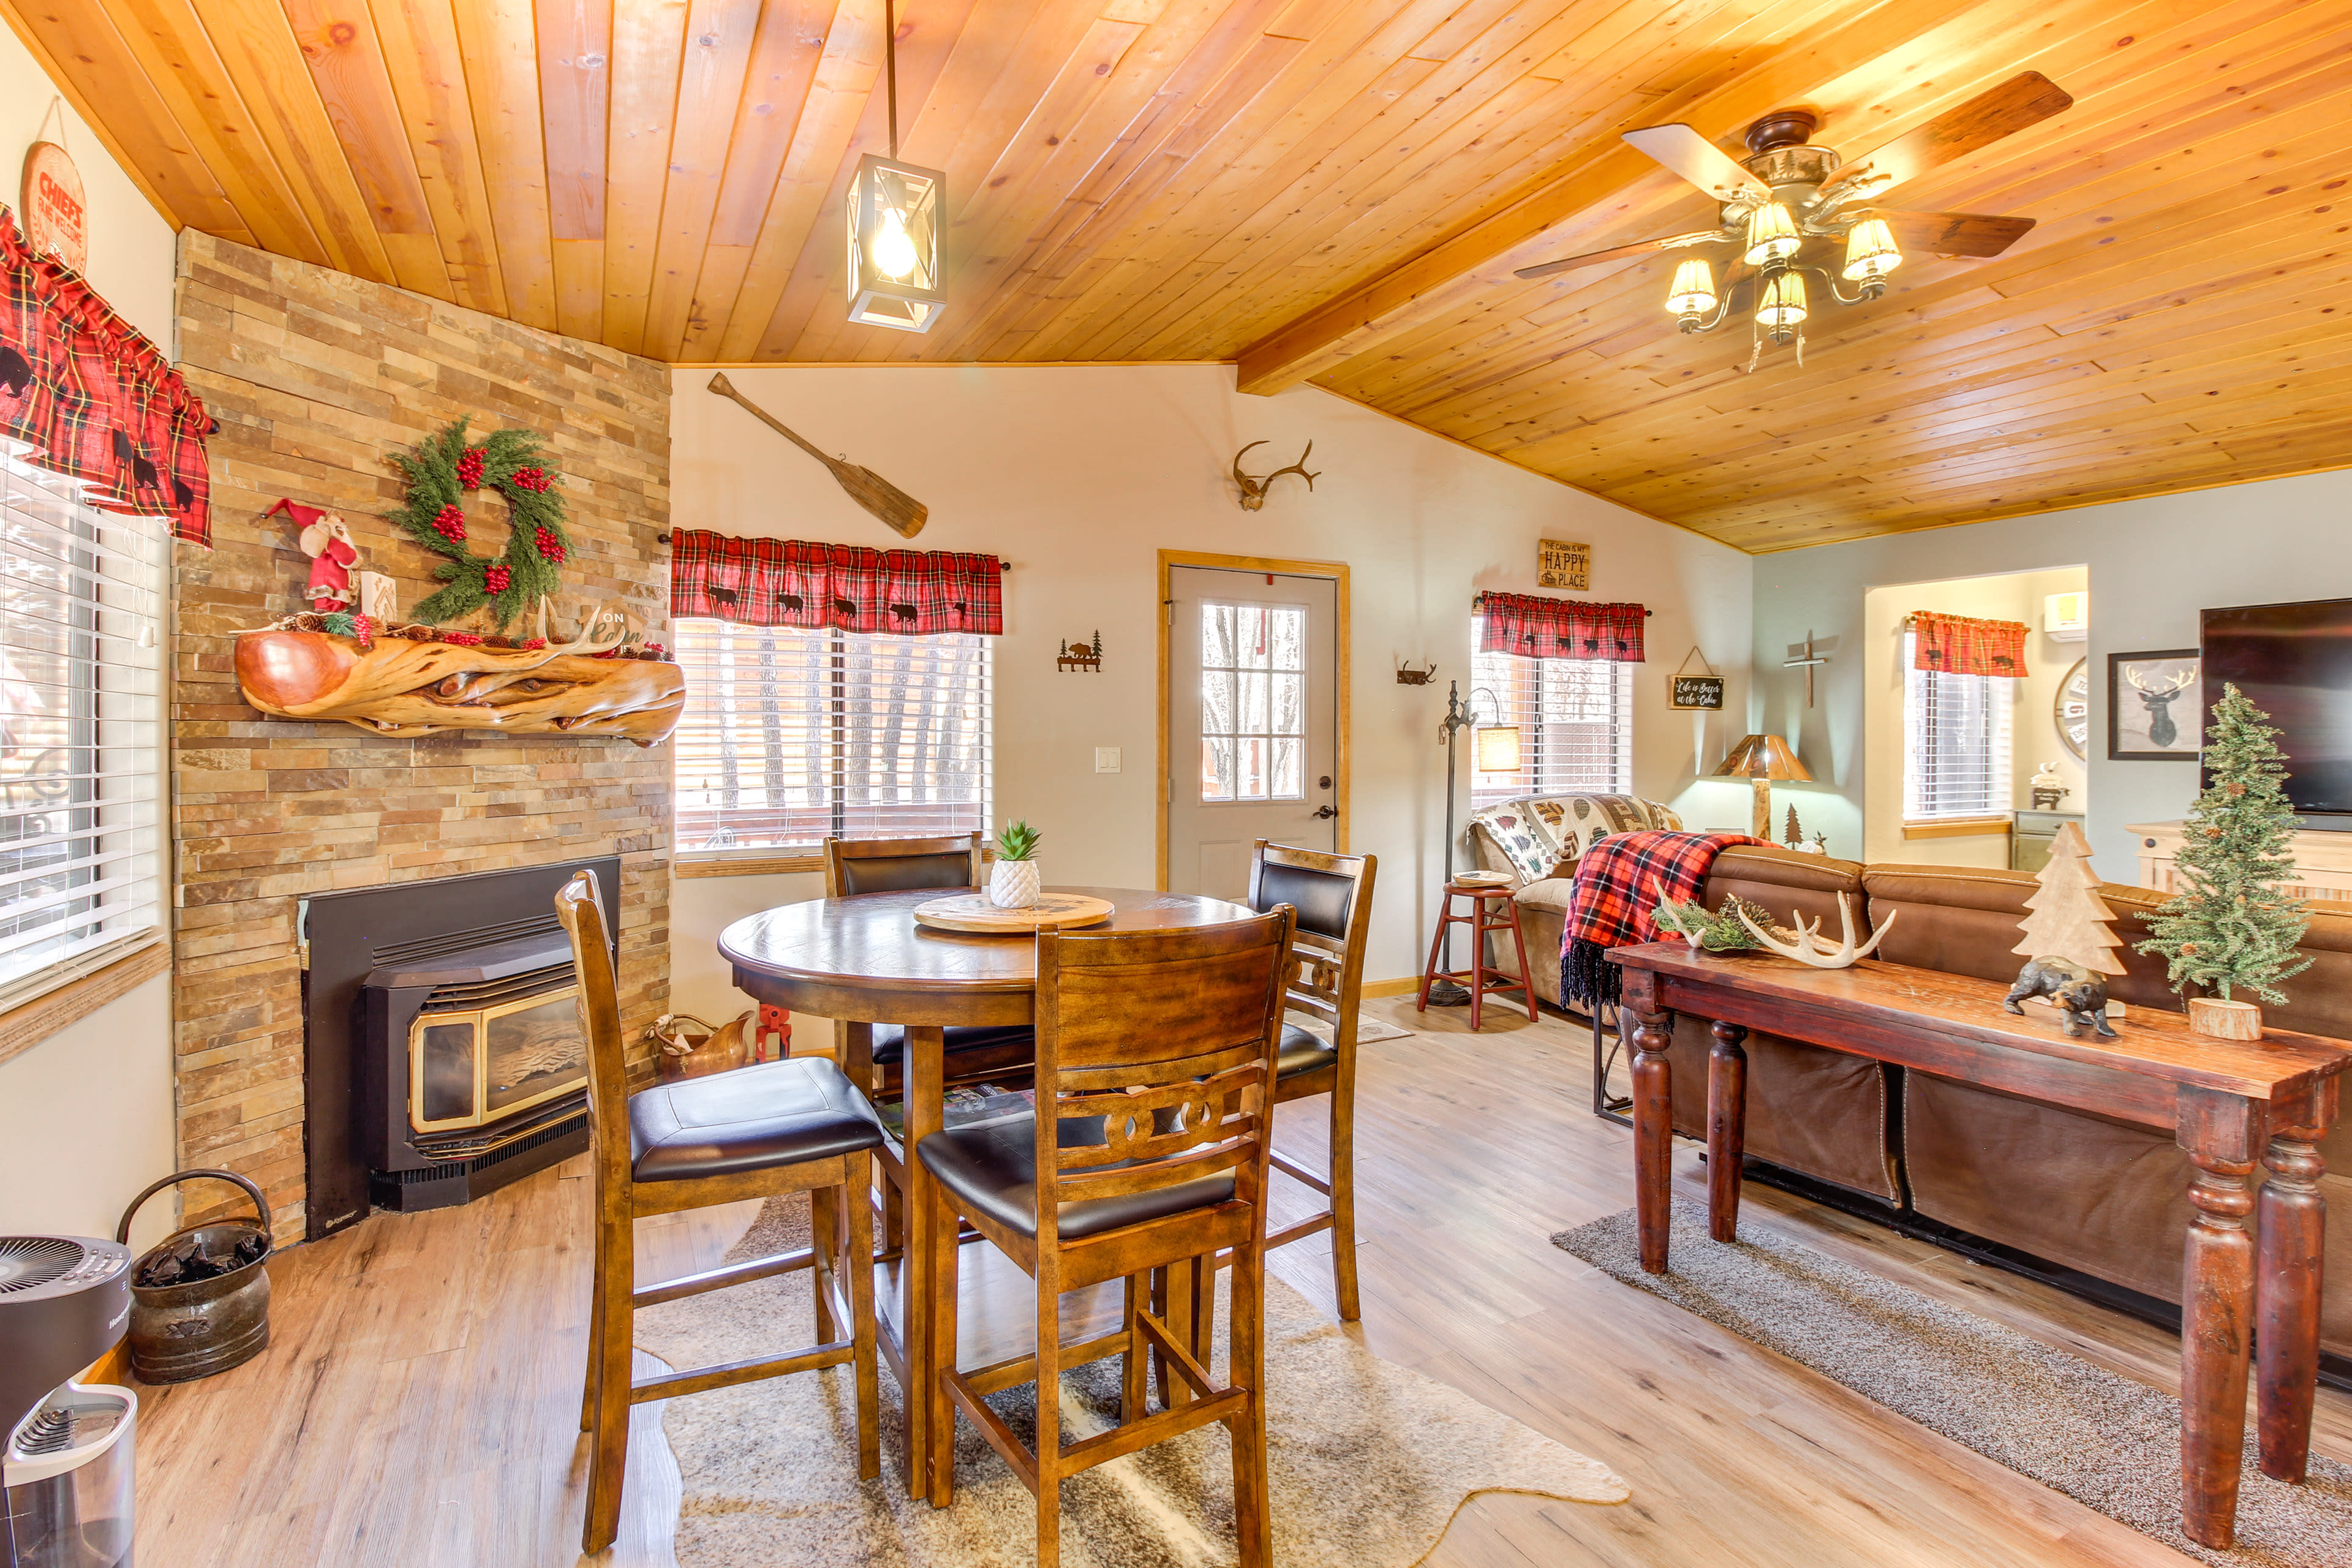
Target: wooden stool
point(1480, 924)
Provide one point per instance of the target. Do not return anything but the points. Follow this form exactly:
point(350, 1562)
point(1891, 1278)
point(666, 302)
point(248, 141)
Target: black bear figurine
point(2080, 993)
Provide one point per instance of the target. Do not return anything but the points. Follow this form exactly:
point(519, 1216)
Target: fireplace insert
point(445, 1052)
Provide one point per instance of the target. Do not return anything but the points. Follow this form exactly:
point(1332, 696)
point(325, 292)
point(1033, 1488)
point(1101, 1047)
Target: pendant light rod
point(890, 67)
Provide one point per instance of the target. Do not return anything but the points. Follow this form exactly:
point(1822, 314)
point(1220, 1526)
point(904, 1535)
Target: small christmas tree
point(2230, 926)
point(1794, 836)
point(2069, 921)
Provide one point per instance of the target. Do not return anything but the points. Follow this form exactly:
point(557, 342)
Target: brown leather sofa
point(2102, 1197)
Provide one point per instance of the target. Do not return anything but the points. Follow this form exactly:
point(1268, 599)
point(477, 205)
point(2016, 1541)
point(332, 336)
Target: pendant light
point(894, 225)
point(1771, 235)
point(1692, 295)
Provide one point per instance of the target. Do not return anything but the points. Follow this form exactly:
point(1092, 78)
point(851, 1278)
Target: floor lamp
point(1496, 750)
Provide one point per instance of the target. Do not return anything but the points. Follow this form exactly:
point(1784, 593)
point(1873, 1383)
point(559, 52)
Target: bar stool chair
point(1155, 1071)
point(873, 1054)
point(789, 1126)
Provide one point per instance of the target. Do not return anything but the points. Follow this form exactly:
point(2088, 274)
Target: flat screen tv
point(2294, 663)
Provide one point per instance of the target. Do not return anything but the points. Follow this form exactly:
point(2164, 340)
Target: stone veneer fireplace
point(316, 377)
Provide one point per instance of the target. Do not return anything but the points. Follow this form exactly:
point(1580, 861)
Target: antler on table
point(1809, 949)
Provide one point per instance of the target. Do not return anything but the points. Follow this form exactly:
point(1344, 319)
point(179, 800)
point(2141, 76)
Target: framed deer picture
point(2155, 707)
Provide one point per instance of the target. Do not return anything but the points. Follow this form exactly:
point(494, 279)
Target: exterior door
point(1252, 721)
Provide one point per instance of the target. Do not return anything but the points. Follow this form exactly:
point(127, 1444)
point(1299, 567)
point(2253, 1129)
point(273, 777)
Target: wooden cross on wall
point(1809, 663)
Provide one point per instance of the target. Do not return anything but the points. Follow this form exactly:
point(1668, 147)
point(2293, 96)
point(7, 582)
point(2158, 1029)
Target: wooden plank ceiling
point(1337, 191)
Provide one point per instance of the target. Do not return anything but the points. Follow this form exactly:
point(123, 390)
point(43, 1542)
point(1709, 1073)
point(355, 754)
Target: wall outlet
point(1106, 759)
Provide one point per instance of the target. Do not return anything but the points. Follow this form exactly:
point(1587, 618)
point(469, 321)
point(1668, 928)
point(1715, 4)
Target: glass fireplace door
point(470, 1067)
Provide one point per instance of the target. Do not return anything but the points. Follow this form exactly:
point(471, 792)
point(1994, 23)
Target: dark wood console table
point(2227, 1102)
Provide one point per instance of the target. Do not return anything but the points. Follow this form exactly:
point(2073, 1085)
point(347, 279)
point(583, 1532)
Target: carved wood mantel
point(406, 689)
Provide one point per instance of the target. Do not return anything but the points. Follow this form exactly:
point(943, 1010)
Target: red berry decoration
point(449, 522)
point(363, 630)
point(497, 578)
point(533, 480)
point(469, 467)
point(462, 639)
point(533, 644)
point(548, 545)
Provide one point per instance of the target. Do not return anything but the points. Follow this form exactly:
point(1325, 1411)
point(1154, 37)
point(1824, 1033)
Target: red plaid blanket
point(1617, 882)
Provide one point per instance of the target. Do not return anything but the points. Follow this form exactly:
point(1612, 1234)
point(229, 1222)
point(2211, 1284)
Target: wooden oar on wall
point(866, 488)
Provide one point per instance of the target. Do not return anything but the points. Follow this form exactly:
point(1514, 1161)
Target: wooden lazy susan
point(973, 913)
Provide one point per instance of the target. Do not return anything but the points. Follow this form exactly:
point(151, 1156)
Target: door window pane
point(1252, 702)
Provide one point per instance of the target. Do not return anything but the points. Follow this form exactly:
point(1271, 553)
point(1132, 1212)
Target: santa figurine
point(328, 542)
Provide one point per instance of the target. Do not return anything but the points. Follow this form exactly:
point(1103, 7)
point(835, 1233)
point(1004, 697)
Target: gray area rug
point(2102, 1438)
point(1368, 1461)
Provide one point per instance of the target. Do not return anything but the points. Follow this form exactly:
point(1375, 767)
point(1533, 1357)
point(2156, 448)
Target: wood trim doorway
point(1337, 571)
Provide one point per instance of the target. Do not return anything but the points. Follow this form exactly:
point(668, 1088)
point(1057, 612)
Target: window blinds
point(81, 763)
point(1575, 719)
point(790, 735)
point(1957, 733)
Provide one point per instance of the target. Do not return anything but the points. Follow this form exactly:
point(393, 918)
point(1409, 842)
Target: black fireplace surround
point(463, 950)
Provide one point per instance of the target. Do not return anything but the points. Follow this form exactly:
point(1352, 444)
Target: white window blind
point(82, 595)
point(790, 735)
point(1956, 732)
point(1576, 725)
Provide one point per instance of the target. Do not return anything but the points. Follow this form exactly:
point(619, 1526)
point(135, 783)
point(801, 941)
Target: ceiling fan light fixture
point(1693, 294)
point(1870, 252)
point(1771, 235)
point(1783, 308)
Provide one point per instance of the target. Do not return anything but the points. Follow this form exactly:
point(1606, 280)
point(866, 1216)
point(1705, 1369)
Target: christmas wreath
point(511, 462)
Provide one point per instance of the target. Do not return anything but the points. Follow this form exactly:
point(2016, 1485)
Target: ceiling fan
point(1787, 193)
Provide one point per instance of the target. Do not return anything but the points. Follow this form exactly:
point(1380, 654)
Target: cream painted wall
point(1080, 476)
point(2033, 739)
point(85, 1116)
point(2153, 565)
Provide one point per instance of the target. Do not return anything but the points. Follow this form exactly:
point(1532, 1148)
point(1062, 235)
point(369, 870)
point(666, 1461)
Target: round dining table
point(864, 960)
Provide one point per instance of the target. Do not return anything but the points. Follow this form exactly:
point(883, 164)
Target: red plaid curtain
point(93, 398)
point(799, 583)
point(1958, 646)
point(1531, 627)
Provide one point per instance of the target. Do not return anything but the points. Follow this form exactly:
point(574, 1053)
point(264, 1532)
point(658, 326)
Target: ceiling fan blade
point(1616, 253)
point(1953, 233)
point(1699, 161)
point(2023, 99)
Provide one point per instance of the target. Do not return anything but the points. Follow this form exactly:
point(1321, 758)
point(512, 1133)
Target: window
point(1576, 725)
point(1252, 702)
point(790, 735)
point(80, 760)
point(1956, 743)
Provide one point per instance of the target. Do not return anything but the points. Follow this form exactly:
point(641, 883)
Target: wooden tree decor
point(406, 689)
point(2069, 919)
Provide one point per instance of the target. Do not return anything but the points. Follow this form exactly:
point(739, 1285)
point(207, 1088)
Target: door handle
point(1328, 811)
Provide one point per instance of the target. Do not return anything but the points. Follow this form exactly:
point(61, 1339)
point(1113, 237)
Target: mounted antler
point(1254, 491)
point(1809, 947)
point(2180, 682)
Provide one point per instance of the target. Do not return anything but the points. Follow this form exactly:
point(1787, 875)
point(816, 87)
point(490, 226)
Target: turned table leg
point(1727, 1129)
point(1653, 1136)
point(2287, 1267)
point(2218, 1132)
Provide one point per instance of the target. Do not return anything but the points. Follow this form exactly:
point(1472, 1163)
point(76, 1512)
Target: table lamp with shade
point(1495, 749)
point(1760, 759)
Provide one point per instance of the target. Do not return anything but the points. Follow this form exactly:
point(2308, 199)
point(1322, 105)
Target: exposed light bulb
point(1771, 235)
point(1870, 252)
point(893, 249)
point(1693, 294)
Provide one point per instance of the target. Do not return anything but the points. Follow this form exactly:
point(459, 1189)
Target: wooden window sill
point(781, 863)
point(22, 1029)
point(1957, 828)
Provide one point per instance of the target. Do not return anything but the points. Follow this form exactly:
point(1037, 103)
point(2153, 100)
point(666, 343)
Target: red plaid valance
point(1959, 645)
point(798, 582)
point(93, 398)
point(1531, 627)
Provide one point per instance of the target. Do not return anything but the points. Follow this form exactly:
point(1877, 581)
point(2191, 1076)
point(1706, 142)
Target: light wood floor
point(418, 1402)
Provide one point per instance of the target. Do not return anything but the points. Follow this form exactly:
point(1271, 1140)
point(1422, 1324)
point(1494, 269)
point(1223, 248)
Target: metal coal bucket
point(179, 1332)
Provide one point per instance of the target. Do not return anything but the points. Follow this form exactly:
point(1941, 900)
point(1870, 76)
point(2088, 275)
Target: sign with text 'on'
point(1560, 565)
point(1695, 691)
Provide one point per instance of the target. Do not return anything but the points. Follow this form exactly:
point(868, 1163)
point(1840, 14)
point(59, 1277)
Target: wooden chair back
point(854, 866)
point(583, 914)
point(1333, 897)
point(1170, 1038)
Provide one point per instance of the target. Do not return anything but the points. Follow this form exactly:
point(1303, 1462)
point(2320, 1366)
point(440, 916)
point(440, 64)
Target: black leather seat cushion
point(992, 1169)
point(890, 1040)
point(751, 1119)
point(1302, 1051)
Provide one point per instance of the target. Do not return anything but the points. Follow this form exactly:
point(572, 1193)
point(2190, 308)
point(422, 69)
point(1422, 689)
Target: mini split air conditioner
point(2066, 618)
